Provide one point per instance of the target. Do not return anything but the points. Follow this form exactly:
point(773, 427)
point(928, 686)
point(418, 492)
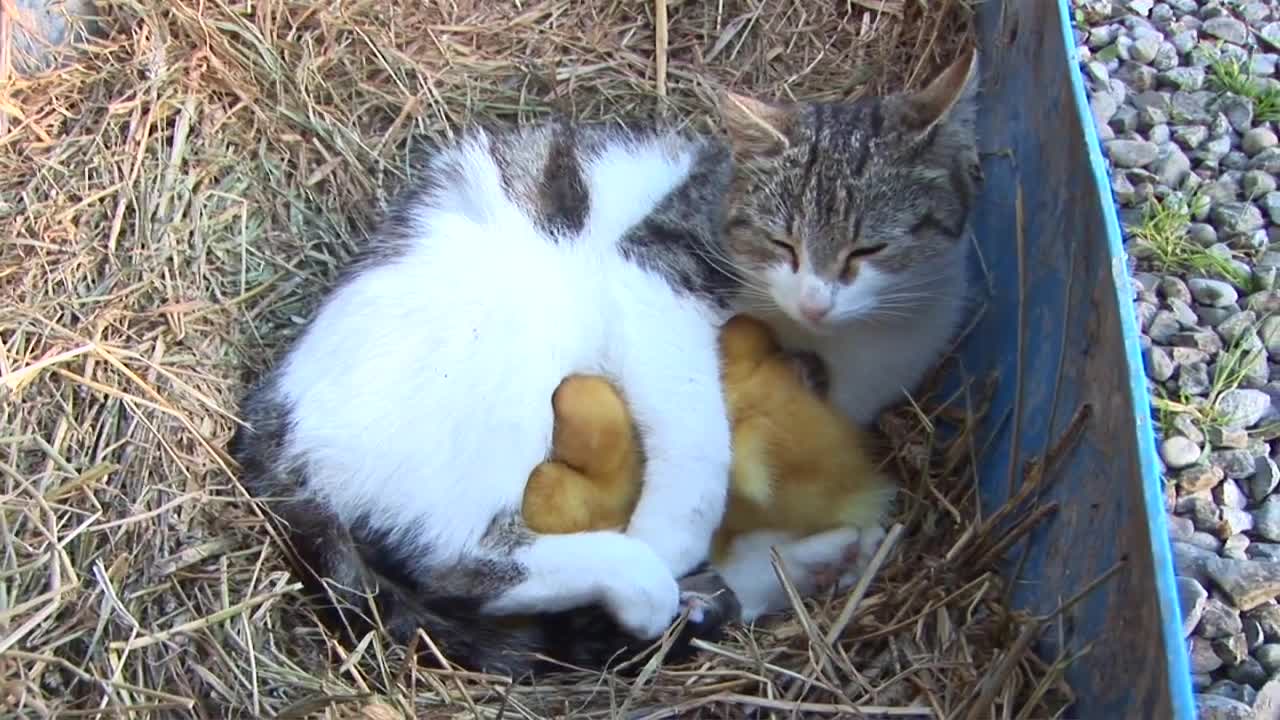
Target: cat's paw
point(709, 602)
point(643, 597)
point(845, 572)
point(819, 560)
point(857, 557)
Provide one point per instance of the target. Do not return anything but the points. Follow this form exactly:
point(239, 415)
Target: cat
point(848, 222)
point(799, 466)
point(394, 437)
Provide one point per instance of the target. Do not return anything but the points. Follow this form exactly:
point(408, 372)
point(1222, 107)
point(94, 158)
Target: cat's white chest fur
point(876, 364)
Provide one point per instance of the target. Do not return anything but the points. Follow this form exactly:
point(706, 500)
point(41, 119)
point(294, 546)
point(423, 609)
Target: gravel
point(1211, 340)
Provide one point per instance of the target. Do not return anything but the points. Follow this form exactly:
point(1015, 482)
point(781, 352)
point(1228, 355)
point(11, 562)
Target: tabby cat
point(395, 436)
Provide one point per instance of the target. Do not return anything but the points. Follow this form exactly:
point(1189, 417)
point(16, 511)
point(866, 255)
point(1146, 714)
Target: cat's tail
point(359, 587)
point(354, 597)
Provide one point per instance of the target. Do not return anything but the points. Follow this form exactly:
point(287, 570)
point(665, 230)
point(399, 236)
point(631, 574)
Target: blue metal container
point(1060, 336)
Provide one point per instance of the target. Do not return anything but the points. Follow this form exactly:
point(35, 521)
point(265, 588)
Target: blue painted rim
point(1179, 668)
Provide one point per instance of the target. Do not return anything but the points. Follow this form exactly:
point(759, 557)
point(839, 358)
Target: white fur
point(422, 393)
point(749, 570)
point(883, 334)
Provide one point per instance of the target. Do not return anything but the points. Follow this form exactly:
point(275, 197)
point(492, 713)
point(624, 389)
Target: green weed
point(1163, 235)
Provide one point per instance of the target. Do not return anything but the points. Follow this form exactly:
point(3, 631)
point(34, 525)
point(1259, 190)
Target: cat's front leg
point(677, 403)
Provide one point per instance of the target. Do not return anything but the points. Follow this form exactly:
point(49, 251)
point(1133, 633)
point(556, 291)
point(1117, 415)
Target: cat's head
point(846, 211)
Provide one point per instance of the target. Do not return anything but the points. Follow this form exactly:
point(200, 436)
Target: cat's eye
point(859, 253)
point(790, 250)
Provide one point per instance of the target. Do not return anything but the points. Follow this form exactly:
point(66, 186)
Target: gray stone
point(1236, 326)
point(1270, 34)
point(1249, 672)
point(1203, 657)
point(1221, 190)
point(1097, 72)
point(1179, 452)
point(1188, 107)
point(1144, 49)
point(1172, 166)
point(1264, 276)
point(1222, 437)
point(1184, 425)
point(1152, 119)
point(1263, 551)
point(1265, 478)
point(1190, 136)
point(1253, 633)
point(1267, 160)
point(1257, 184)
point(1213, 151)
point(1231, 218)
point(1132, 153)
point(1239, 112)
point(1185, 41)
point(1163, 327)
point(1217, 707)
point(1193, 379)
point(1237, 464)
point(1234, 522)
point(1263, 64)
point(1264, 303)
point(1269, 656)
point(1235, 160)
point(1219, 620)
point(1202, 234)
point(1233, 650)
point(1140, 7)
point(1200, 477)
point(1256, 140)
point(1145, 313)
point(1266, 706)
point(1236, 547)
point(1267, 615)
point(1124, 120)
point(1214, 293)
point(1166, 57)
point(1202, 340)
point(1103, 35)
point(1226, 28)
point(1193, 562)
point(1207, 516)
point(1233, 691)
point(1243, 408)
point(1271, 203)
point(1228, 495)
point(1183, 78)
point(1103, 107)
point(1188, 356)
point(1255, 13)
point(1184, 314)
point(1180, 528)
point(1270, 334)
point(1205, 540)
point(1266, 519)
point(1200, 681)
point(1249, 583)
point(1159, 365)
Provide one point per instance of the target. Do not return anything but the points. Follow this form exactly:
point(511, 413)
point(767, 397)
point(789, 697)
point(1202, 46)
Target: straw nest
point(174, 198)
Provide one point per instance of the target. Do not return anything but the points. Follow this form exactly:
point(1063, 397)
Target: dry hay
point(173, 199)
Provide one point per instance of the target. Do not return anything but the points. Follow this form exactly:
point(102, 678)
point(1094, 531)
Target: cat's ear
point(755, 127)
point(951, 97)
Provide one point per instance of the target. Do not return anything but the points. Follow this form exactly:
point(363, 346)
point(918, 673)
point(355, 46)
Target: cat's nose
point(815, 309)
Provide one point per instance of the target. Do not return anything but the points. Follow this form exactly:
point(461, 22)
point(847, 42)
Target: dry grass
point(173, 200)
